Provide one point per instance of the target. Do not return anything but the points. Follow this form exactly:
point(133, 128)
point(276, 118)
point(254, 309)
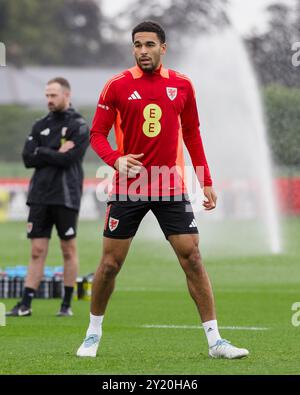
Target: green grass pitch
point(253, 291)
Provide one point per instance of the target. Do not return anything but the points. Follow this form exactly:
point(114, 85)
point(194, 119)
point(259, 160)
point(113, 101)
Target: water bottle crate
point(50, 287)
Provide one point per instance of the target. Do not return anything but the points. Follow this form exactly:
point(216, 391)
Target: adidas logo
point(70, 232)
point(193, 224)
point(134, 96)
point(209, 330)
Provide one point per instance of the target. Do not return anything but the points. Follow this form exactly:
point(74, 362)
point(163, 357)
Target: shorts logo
point(193, 224)
point(172, 93)
point(70, 232)
point(113, 224)
point(29, 227)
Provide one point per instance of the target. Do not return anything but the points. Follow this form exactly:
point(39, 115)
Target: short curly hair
point(150, 26)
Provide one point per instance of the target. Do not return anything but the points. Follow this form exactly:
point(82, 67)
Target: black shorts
point(123, 218)
point(42, 218)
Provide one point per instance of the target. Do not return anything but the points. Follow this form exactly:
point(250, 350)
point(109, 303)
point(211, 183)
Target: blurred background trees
point(271, 51)
point(51, 32)
point(76, 33)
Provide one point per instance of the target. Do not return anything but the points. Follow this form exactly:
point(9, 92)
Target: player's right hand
point(129, 164)
point(210, 201)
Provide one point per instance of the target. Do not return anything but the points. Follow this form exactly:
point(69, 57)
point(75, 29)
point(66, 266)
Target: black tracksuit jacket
point(58, 177)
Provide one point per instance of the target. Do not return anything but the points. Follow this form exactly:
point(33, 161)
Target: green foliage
point(16, 123)
point(283, 116)
point(51, 32)
point(75, 32)
point(271, 51)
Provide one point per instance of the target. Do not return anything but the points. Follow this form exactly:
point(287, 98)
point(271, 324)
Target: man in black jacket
point(55, 148)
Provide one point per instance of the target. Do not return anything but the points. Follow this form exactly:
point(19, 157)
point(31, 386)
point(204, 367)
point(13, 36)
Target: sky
point(246, 15)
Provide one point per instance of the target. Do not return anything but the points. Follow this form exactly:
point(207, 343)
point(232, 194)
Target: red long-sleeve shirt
point(151, 113)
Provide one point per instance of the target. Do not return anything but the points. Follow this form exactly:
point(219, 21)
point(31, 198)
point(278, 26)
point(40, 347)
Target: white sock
point(95, 327)
point(212, 332)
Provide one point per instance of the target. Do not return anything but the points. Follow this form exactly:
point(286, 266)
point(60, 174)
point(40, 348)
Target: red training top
point(151, 113)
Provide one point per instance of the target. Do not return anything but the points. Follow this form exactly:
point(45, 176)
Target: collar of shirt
point(156, 72)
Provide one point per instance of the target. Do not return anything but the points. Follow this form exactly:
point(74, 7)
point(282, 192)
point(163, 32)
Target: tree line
point(77, 33)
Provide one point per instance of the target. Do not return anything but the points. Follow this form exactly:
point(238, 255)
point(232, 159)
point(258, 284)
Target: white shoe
point(223, 349)
point(89, 346)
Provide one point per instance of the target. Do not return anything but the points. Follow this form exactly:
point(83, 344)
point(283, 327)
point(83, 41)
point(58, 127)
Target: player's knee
point(68, 254)
point(38, 252)
point(193, 260)
point(68, 249)
point(110, 267)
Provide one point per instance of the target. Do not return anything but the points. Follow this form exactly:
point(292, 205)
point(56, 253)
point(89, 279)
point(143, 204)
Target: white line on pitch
point(236, 328)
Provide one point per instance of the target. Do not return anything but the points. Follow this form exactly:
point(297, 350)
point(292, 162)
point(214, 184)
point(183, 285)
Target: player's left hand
point(66, 146)
point(211, 198)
